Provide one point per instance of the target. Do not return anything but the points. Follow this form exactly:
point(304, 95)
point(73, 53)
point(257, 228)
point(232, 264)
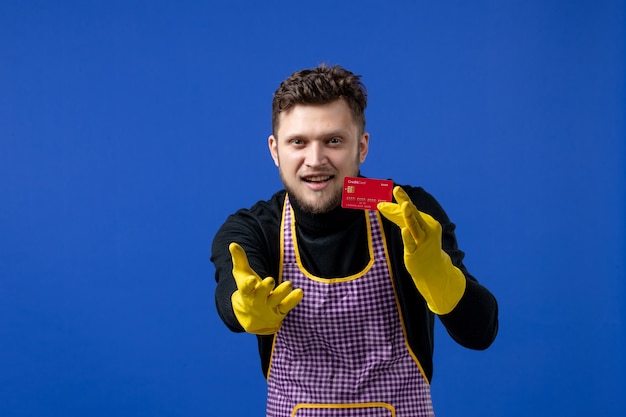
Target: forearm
point(222, 261)
point(474, 321)
point(223, 296)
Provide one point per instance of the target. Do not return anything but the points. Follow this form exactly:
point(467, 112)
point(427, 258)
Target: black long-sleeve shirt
point(335, 244)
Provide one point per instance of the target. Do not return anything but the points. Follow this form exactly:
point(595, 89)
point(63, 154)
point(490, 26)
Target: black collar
point(324, 223)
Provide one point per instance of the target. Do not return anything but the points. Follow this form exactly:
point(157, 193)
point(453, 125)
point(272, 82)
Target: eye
point(296, 141)
point(335, 141)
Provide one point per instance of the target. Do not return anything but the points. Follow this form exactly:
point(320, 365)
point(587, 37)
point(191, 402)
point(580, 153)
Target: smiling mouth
point(318, 179)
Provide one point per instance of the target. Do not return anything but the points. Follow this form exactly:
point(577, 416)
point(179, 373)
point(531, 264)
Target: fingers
point(246, 285)
point(412, 221)
point(400, 195)
point(393, 212)
point(410, 244)
point(290, 301)
point(398, 211)
point(252, 287)
point(250, 284)
point(406, 216)
point(279, 293)
point(264, 288)
point(430, 222)
point(284, 297)
point(412, 216)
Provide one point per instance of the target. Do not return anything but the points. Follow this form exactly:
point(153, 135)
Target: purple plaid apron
point(342, 352)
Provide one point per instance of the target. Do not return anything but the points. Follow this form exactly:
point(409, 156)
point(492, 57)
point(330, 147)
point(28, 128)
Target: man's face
point(315, 147)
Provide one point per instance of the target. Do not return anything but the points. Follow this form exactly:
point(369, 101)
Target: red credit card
point(365, 193)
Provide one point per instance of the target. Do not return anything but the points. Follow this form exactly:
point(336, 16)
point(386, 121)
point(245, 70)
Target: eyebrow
point(332, 133)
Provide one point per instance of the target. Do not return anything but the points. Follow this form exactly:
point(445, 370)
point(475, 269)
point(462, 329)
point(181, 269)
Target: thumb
point(242, 272)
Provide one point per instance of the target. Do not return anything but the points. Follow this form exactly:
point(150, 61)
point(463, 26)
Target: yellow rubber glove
point(441, 283)
point(259, 307)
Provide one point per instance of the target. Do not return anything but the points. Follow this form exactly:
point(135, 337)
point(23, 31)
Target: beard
point(329, 199)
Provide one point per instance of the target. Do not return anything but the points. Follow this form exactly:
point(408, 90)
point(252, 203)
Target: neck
point(323, 223)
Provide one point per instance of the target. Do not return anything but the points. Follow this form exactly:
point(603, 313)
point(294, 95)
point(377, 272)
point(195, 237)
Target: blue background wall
point(130, 129)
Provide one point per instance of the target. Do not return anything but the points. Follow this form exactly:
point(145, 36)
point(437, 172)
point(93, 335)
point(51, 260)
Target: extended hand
point(259, 307)
point(441, 283)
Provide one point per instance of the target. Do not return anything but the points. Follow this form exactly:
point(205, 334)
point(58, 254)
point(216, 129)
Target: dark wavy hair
point(321, 85)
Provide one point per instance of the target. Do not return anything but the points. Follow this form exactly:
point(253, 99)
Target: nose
point(315, 155)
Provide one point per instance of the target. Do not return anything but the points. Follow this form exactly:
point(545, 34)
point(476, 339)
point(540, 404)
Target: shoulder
point(252, 226)
point(263, 209)
point(260, 215)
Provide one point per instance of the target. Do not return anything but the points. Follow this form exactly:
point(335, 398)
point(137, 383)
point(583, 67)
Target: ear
point(272, 144)
point(363, 146)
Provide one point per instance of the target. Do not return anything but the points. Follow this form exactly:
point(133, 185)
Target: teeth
point(317, 179)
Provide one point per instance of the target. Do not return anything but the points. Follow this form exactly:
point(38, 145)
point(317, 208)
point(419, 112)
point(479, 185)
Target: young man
point(343, 301)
